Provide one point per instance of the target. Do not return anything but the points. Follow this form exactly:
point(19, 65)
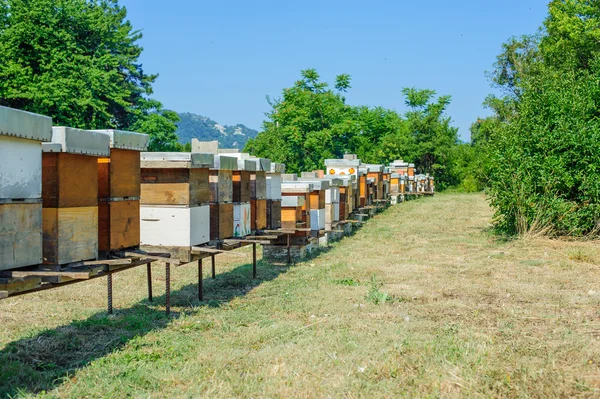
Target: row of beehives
point(68, 195)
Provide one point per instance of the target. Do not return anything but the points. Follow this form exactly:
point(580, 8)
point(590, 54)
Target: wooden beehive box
point(296, 195)
point(119, 180)
point(175, 178)
point(20, 234)
point(292, 212)
point(317, 202)
point(259, 214)
point(21, 137)
point(241, 186)
point(221, 179)
point(177, 226)
point(258, 180)
point(273, 214)
point(221, 221)
point(274, 179)
point(395, 183)
point(70, 194)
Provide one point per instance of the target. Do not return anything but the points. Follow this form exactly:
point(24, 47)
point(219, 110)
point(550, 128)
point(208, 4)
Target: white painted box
point(20, 168)
point(241, 220)
point(332, 195)
point(179, 226)
point(292, 201)
point(317, 219)
point(274, 187)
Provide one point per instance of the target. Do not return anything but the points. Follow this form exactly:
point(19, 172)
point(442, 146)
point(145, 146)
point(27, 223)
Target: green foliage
point(78, 62)
point(161, 127)
point(543, 144)
point(375, 295)
point(312, 123)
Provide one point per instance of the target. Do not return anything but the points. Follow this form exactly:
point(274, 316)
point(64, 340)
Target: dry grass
point(423, 301)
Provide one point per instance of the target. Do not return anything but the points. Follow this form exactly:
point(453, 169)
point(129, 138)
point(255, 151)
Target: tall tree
point(74, 60)
point(309, 124)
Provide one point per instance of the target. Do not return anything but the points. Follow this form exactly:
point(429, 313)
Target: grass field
point(424, 301)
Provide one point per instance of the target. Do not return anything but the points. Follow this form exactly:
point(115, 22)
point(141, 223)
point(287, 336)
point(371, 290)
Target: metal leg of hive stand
point(168, 288)
point(109, 285)
point(289, 250)
point(214, 272)
point(149, 275)
point(200, 288)
point(253, 260)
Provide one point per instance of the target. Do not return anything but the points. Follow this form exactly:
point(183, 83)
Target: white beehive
point(179, 226)
point(21, 135)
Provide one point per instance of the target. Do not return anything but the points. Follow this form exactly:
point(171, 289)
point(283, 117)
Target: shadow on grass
point(48, 359)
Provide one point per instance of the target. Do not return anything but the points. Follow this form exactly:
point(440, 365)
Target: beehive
point(70, 194)
point(21, 135)
point(119, 189)
point(274, 195)
point(221, 179)
point(174, 198)
point(317, 202)
point(296, 207)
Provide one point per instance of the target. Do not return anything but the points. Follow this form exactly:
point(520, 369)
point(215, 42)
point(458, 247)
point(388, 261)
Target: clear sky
point(221, 58)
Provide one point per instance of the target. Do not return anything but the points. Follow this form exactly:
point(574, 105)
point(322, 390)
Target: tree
point(434, 137)
point(161, 127)
point(76, 61)
point(543, 143)
point(308, 125)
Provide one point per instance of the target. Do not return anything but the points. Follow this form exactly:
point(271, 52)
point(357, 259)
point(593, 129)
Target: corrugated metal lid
point(77, 141)
point(225, 163)
point(246, 165)
point(317, 184)
point(342, 162)
point(178, 159)
point(25, 125)
point(277, 167)
point(296, 187)
point(124, 140)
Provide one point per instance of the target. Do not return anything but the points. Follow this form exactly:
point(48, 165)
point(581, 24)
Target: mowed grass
point(424, 301)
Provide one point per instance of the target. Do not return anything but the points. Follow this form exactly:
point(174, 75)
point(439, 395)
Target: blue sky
point(221, 58)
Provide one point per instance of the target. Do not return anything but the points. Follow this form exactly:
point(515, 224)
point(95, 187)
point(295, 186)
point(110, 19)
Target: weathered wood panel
point(221, 186)
point(174, 186)
point(20, 235)
point(70, 234)
point(258, 185)
point(317, 199)
point(274, 187)
point(259, 214)
point(118, 225)
point(20, 168)
point(119, 175)
point(221, 221)
point(290, 217)
point(174, 225)
point(273, 214)
point(69, 180)
point(241, 186)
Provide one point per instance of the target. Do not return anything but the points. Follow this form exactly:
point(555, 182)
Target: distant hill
point(205, 129)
